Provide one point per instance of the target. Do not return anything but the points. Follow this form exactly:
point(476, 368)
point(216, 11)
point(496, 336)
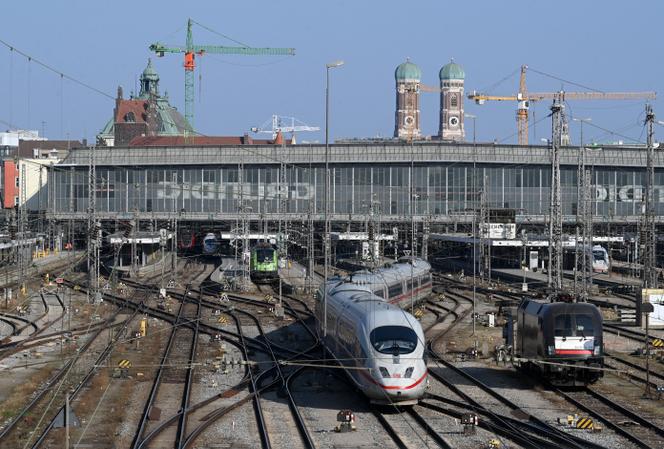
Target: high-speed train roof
point(404, 269)
point(372, 310)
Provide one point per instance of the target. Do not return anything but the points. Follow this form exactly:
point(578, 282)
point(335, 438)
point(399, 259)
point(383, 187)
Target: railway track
point(56, 383)
point(259, 384)
point(175, 377)
point(614, 415)
point(628, 333)
point(554, 436)
point(87, 378)
point(630, 369)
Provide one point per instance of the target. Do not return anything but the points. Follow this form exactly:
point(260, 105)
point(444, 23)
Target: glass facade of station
point(444, 189)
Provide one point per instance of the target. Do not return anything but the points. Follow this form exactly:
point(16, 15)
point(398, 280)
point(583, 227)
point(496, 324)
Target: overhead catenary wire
point(50, 68)
point(530, 69)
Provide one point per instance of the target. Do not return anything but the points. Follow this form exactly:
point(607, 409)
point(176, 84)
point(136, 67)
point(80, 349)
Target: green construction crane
point(190, 50)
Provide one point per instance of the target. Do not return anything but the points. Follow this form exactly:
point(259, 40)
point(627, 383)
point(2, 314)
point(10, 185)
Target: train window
point(409, 284)
point(573, 326)
point(395, 290)
point(563, 326)
point(393, 339)
point(598, 255)
point(584, 325)
point(264, 255)
point(380, 292)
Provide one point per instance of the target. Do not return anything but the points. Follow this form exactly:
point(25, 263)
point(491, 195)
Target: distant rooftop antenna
point(279, 123)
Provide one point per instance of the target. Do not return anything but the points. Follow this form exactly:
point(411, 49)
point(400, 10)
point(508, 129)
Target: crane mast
point(522, 109)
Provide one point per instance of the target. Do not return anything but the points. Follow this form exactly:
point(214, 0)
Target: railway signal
point(470, 421)
point(346, 419)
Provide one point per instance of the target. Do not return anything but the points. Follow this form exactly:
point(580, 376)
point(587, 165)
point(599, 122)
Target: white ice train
point(380, 345)
point(600, 259)
point(403, 283)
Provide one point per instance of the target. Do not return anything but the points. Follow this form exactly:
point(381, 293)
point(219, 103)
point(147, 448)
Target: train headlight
point(550, 350)
point(597, 350)
point(384, 372)
point(408, 373)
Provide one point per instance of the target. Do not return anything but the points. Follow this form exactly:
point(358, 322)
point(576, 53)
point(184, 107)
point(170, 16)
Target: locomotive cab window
point(584, 325)
point(380, 292)
point(573, 326)
point(264, 255)
point(393, 340)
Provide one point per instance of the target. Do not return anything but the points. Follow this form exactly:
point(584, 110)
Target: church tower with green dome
point(147, 114)
point(451, 102)
point(149, 82)
point(407, 114)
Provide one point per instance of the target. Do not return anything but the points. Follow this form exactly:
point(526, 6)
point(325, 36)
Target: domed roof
point(452, 71)
point(407, 71)
point(150, 73)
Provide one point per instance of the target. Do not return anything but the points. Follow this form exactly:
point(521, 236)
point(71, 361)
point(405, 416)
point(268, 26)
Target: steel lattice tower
point(649, 237)
point(555, 278)
point(92, 231)
point(484, 233)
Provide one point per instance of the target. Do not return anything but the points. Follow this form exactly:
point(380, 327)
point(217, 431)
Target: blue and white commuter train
point(381, 345)
point(210, 244)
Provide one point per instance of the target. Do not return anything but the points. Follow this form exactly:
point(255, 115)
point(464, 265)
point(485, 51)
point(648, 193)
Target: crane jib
point(218, 49)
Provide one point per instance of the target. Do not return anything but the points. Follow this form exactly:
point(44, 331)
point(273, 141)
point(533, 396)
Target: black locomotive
point(560, 340)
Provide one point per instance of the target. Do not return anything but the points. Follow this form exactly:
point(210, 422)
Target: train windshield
point(264, 255)
point(577, 325)
point(394, 340)
point(598, 255)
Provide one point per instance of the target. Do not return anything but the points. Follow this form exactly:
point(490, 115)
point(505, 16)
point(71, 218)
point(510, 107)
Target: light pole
point(326, 236)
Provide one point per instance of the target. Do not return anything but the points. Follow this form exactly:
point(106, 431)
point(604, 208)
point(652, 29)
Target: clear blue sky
point(609, 45)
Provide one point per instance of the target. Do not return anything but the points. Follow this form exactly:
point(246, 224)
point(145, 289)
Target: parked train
point(597, 257)
point(403, 283)
point(560, 340)
point(210, 244)
point(186, 239)
point(600, 259)
point(381, 346)
point(264, 261)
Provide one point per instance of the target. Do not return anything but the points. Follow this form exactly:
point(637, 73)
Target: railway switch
point(470, 422)
point(346, 419)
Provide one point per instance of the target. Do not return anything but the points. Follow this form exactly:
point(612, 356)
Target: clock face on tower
point(454, 121)
point(408, 120)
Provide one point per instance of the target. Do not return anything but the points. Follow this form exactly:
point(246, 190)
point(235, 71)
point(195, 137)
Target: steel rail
point(137, 441)
point(186, 394)
point(607, 421)
point(102, 357)
point(40, 395)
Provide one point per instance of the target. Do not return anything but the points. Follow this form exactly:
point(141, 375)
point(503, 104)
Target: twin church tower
point(407, 115)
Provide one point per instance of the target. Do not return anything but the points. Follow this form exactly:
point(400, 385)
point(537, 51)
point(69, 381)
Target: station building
point(421, 181)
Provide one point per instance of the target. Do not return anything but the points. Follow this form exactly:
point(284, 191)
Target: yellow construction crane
point(523, 99)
